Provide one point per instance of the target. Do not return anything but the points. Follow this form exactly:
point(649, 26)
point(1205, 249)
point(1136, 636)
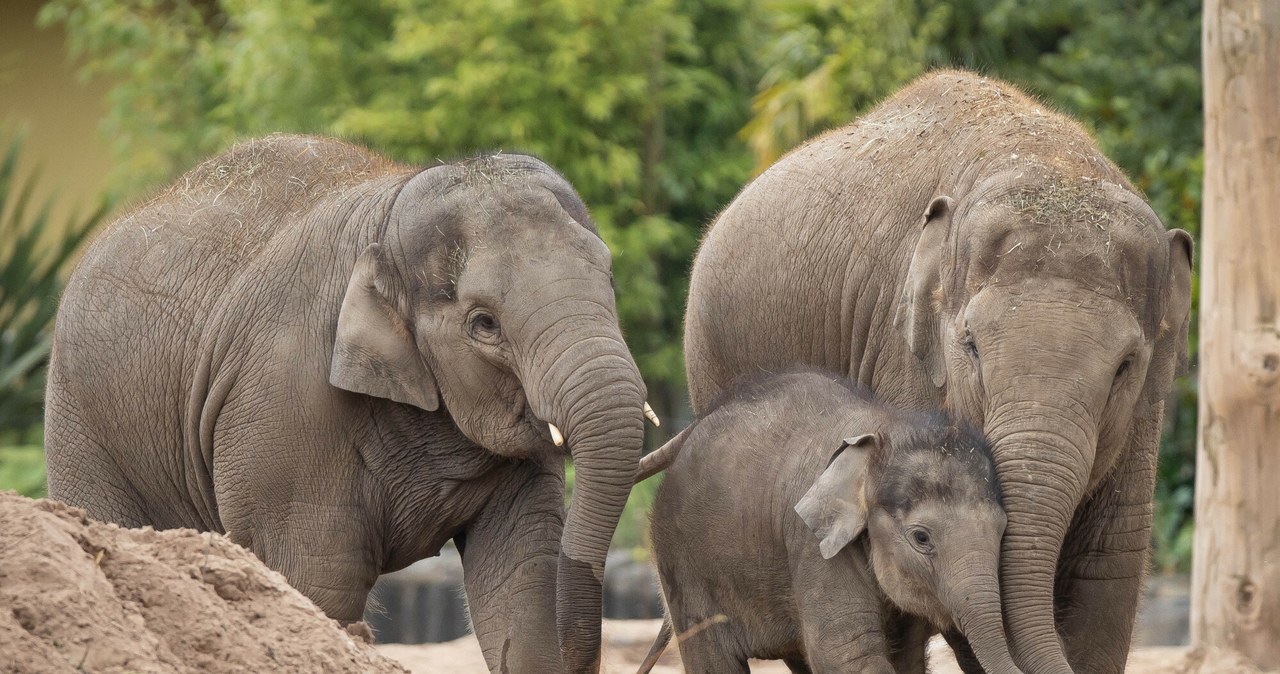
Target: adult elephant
point(962, 245)
point(342, 363)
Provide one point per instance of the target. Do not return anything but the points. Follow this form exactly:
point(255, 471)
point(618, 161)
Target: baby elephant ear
point(374, 352)
point(835, 508)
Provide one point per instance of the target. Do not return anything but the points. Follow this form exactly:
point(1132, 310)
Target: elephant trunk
point(975, 604)
point(605, 455)
point(594, 393)
point(1043, 455)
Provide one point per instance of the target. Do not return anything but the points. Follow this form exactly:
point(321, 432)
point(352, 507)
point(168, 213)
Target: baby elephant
point(757, 530)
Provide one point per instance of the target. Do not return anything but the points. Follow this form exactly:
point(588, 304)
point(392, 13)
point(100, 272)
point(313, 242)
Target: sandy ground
point(77, 595)
point(627, 642)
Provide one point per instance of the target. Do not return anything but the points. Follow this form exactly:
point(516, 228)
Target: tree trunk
point(1236, 583)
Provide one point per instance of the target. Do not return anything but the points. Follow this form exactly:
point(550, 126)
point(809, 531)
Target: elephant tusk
point(556, 436)
point(648, 414)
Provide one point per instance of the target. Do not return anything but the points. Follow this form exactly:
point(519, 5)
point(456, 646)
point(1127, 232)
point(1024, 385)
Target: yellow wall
point(39, 90)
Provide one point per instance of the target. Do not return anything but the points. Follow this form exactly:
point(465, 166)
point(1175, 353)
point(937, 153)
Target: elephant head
point(928, 499)
point(1052, 306)
point(489, 295)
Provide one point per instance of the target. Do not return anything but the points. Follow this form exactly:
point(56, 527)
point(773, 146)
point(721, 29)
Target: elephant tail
point(658, 460)
point(659, 645)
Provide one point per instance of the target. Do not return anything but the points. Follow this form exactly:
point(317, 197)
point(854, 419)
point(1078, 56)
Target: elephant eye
point(921, 540)
point(970, 347)
point(484, 326)
point(1124, 368)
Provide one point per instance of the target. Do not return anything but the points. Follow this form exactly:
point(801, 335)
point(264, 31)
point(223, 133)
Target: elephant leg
point(841, 614)
point(315, 529)
point(908, 644)
point(1104, 558)
point(81, 472)
point(112, 498)
point(509, 555)
point(323, 552)
point(708, 640)
point(713, 654)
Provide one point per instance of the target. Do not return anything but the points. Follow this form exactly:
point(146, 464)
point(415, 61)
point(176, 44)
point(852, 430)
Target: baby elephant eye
point(921, 540)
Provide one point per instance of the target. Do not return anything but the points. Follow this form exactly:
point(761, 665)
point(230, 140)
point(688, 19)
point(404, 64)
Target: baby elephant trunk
point(975, 604)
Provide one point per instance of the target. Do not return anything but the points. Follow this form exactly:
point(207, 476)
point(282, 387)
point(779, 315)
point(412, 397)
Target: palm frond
point(35, 256)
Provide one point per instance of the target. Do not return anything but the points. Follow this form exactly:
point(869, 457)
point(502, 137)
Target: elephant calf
point(765, 471)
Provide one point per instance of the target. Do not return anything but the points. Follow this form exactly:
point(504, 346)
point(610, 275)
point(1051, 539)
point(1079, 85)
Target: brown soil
point(77, 595)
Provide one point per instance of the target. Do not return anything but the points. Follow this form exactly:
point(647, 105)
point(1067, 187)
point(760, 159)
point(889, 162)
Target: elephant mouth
point(539, 427)
point(530, 431)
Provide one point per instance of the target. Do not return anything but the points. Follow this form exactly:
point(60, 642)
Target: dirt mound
point(77, 595)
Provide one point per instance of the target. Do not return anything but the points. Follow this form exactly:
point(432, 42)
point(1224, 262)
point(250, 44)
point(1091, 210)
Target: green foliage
point(31, 271)
point(633, 526)
point(35, 254)
point(827, 61)
point(22, 463)
point(22, 470)
point(162, 120)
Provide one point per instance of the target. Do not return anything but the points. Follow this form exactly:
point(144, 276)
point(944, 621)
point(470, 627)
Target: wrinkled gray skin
point(778, 483)
point(963, 246)
point(343, 363)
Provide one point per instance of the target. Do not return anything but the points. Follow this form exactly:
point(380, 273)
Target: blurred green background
point(658, 111)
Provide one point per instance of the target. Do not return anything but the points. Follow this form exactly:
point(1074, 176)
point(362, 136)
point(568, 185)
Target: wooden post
point(1236, 569)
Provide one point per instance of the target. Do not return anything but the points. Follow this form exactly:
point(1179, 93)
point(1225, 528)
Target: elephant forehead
point(931, 477)
point(489, 240)
point(497, 209)
point(1051, 302)
point(533, 257)
point(526, 219)
point(1112, 254)
point(931, 462)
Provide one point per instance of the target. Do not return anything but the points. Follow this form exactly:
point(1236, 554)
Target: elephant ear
point(835, 507)
point(917, 310)
point(374, 351)
point(1177, 312)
